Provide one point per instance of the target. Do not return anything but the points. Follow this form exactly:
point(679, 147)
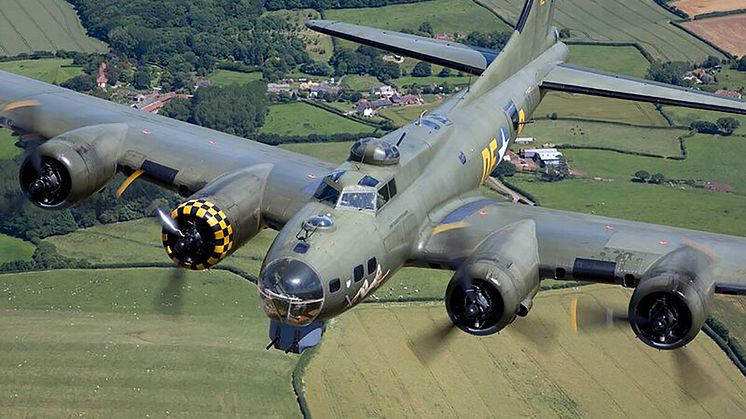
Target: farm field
point(361, 83)
point(120, 344)
point(49, 70)
point(662, 142)
point(141, 239)
point(684, 117)
point(599, 108)
point(8, 150)
point(13, 249)
point(379, 361)
point(303, 119)
point(696, 209)
point(698, 7)
point(462, 16)
point(620, 60)
point(732, 311)
point(727, 32)
point(228, 77)
point(640, 21)
point(43, 25)
point(403, 115)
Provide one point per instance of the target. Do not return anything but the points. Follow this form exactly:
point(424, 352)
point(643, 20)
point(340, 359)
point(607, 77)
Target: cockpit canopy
point(374, 151)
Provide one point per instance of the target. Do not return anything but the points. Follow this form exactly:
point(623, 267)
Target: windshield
point(326, 193)
point(358, 198)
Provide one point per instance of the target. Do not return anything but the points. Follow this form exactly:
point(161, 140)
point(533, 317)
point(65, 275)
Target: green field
point(685, 116)
point(403, 115)
point(303, 119)
point(639, 21)
point(228, 77)
point(141, 243)
point(462, 16)
point(49, 70)
point(621, 60)
point(663, 142)
point(361, 83)
point(43, 25)
point(600, 109)
point(380, 361)
point(8, 149)
point(119, 344)
point(12, 249)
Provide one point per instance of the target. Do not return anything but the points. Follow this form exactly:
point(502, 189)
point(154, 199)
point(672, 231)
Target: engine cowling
point(671, 303)
point(72, 166)
point(497, 283)
point(216, 221)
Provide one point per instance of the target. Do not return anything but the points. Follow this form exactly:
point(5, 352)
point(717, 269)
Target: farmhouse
point(543, 156)
point(524, 140)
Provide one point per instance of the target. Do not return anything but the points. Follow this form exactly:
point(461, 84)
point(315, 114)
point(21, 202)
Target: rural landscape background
point(96, 322)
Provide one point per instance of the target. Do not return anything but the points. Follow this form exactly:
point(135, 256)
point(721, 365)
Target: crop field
point(662, 142)
point(727, 32)
point(698, 7)
point(138, 343)
point(621, 60)
point(303, 119)
point(452, 16)
point(381, 361)
point(640, 21)
point(12, 249)
point(49, 70)
point(600, 109)
point(228, 77)
point(732, 311)
point(43, 25)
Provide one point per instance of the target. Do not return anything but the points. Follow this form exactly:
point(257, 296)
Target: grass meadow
point(13, 249)
point(600, 109)
point(397, 360)
point(640, 21)
point(621, 60)
point(302, 119)
point(49, 70)
point(138, 343)
point(8, 149)
point(229, 77)
point(43, 25)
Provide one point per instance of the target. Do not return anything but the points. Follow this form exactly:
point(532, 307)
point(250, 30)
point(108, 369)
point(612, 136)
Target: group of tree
point(670, 72)
point(238, 110)
point(723, 126)
point(331, 4)
point(364, 60)
point(643, 176)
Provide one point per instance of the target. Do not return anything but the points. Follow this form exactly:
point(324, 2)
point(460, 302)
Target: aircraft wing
point(453, 55)
point(576, 246)
point(179, 156)
point(574, 79)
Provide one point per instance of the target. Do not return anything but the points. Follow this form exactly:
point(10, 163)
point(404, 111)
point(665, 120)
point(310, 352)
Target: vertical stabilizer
point(533, 35)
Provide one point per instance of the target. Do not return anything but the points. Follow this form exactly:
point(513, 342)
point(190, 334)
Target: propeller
point(430, 343)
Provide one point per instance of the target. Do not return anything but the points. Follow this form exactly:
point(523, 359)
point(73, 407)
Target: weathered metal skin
point(87, 158)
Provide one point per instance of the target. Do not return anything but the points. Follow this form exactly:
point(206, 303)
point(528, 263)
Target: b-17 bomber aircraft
point(409, 198)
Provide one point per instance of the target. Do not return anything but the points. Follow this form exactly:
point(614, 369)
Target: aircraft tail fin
point(533, 35)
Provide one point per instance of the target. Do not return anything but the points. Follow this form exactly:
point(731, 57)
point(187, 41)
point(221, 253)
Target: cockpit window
point(326, 193)
point(368, 181)
point(361, 198)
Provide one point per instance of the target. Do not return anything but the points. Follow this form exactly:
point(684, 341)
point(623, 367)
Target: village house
point(729, 93)
point(101, 80)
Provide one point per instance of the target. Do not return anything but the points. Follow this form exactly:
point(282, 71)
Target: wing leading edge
point(574, 79)
point(453, 55)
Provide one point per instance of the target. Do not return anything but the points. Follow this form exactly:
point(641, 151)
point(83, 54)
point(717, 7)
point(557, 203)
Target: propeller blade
point(692, 376)
point(430, 343)
point(169, 299)
point(168, 223)
point(588, 317)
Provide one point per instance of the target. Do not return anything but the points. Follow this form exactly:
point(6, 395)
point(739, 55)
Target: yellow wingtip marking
point(574, 315)
point(127, 182)
point(20, 104)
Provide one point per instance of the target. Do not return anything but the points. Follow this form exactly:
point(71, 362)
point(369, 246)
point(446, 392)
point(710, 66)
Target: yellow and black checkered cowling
point(215, 230)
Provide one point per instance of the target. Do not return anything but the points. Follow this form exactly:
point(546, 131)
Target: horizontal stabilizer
point(568, 78)
point(453, 55)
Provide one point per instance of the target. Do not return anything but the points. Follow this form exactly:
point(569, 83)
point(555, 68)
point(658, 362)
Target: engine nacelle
point(217, 220)
point(497, 283)
point(670, 305)
point(72, 166)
